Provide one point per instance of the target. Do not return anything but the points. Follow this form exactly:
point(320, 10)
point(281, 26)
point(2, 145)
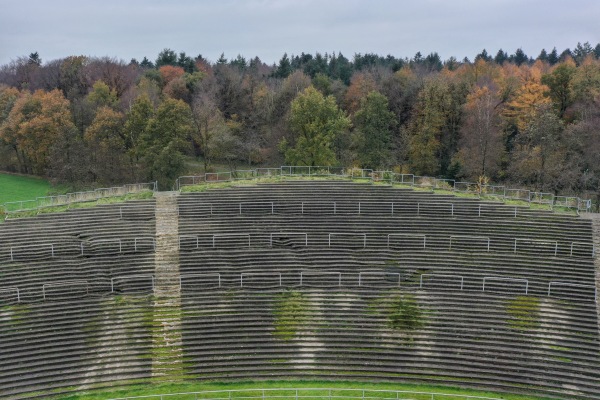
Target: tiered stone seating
point(409, 287)
point(488, 317)
point(70, 328)
point(92, 245)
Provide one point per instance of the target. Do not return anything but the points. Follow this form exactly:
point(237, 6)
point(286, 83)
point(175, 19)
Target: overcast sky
point(128, 29)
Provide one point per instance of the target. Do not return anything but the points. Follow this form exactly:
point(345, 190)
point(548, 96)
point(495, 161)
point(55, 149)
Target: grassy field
point(17, 187)
point(252, 389)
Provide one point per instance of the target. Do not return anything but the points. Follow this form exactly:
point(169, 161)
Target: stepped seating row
point(521, 320)
point(468, 338)
point(60, 346)
point(339, 267)
point(345, 198)
point(548, 246)
point(354, 325)
point(72, 278)
point(76, 253)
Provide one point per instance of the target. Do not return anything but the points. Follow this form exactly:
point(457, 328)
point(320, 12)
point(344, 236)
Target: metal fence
point(200, 282)
point(16, 207)
point(309, 393)
point(489, 190)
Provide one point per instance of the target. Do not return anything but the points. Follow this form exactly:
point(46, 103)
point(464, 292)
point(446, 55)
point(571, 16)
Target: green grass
point(524, 313)
point(17, 187)
point(107, 200)
point(291, 314)
point(252, 389)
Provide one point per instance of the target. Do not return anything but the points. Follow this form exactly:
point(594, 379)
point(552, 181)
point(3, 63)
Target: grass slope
point(250, 389)
point(16, 187)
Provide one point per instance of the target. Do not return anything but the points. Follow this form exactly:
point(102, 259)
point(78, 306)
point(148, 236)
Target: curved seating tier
point(507, 292)
point(305, 280)
point(468, 338)
point(76, 253)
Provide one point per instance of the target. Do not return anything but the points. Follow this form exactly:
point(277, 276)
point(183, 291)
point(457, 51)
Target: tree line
point(88, 121)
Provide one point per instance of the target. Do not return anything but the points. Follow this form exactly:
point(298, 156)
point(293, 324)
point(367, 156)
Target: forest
point(509, 118)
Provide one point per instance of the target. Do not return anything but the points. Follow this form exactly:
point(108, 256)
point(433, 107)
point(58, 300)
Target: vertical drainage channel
point(167, 347)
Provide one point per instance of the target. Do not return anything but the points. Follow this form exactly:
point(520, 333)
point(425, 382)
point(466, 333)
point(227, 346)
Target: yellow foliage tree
point(528, 99)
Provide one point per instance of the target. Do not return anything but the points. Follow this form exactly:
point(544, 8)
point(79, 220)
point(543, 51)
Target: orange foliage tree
point(33, 126)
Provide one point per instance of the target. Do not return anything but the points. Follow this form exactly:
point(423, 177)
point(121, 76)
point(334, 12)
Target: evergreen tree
point(519, 57)
point(501, 56)
point(146, 63)
point(34, 58)
point(166, 57)
point(284, 69)
point(483, 56)
point(553, 56)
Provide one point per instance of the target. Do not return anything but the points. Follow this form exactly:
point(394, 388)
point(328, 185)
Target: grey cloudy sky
point(128, 29)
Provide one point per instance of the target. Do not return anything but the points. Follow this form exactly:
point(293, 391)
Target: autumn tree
point(435, 126)
point(169, 73)
point(315, 122)
point(105, 140)
point(480, 145)
point(539, 156)
point(526, 103)
point(361, 85)
point(374, 123)
point(208, 129)
point(34, 124)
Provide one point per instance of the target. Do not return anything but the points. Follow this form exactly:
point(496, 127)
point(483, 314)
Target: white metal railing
point(15, 207)
point(189, 236)
point(569, 249)
point(12, 289)
point(257, 205)
point(30, 246)
point(586, 245)
point(328, 278)
point(112, 240)
point(408, 236)
point(142, 239)
point(308, 393)
point(286, 234)
point(499, 191)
